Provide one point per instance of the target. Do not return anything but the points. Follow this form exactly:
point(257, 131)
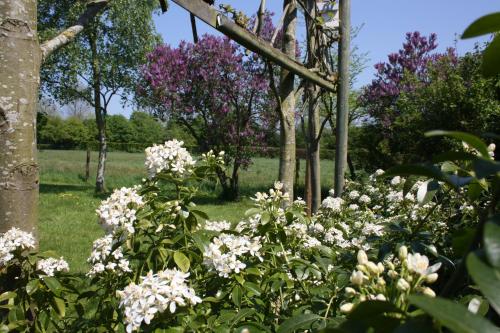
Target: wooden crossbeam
point(253, 43)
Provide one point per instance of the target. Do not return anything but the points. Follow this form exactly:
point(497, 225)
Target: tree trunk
point(20, 58)
point(100, 115)
point(343, 97)
point(312, 95)
point(287, 110)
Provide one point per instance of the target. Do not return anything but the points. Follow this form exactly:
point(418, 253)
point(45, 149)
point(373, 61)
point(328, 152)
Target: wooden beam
point(243, 37)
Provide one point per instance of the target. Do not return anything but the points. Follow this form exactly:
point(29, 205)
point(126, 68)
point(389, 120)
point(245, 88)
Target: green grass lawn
point(68, 223)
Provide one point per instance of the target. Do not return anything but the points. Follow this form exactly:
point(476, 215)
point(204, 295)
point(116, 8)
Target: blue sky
point(385, 23)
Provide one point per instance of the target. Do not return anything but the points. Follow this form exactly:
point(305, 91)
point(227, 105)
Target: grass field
point(67, 203)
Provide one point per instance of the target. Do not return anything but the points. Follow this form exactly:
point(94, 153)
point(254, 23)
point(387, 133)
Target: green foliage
point(454, 96)
point(487, 24)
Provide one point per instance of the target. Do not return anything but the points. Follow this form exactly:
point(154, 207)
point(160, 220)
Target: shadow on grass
point(62, 188)
point(68, 188)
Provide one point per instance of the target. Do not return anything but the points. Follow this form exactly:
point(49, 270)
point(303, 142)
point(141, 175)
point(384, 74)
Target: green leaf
point(468, 138)
point(298, 322)
point(236, 296)
point(59, 305)
point(452, 315)
point(486, 278)
point(252, 287)
point(181, 261)
point(200, 213)
point(427, 191)
point(7, 295)
point(53, 284)
point(485, 167)
point(483, 25)
point(492, 241)
point(252, 211)
point(32, 286)
point(371, 308)
point(243, 313)
point(491, 65)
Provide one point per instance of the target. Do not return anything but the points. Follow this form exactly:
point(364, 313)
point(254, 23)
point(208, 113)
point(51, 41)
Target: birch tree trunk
point(100, 115)
point(20, 58)
point(312, 95)
point(287, 95)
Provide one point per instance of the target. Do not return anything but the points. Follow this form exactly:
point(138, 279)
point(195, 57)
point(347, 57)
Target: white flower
point(14, 240)
point(417, 263)
point(104, 258)
point(155, 294)
point(223, 254)
point(332, 204)
point(51, 265)
point(353, 195)
point(217, 225)
point(170, 157)
point(118, 212)
point(474, 305)
point(365, 199)
point(353, 207)
point(491, 150)
point(396, 181)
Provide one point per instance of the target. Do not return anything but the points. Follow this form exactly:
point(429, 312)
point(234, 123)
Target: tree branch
point(65, 37)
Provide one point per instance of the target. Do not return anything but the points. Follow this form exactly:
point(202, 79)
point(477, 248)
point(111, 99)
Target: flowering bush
point(164, 265)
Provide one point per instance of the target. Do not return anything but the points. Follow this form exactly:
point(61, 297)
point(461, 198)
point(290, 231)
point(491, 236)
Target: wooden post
point(193, 28)
point(343, 96)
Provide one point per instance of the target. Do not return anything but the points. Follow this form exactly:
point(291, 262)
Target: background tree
point(420, 90)
point(21, 56)
point(102, 63)
point(217, 93)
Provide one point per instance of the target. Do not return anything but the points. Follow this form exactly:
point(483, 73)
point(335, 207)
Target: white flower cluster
point(211, 158)
point(272, 199)
point(392, 280)
point(104, 258)
point(217, 226)
point(225, 251)
point(50, 266)
point(118, 212)
point(14, 240)
point(170, 157)
point(154, 294)
point(251, 223)
point(332, 204)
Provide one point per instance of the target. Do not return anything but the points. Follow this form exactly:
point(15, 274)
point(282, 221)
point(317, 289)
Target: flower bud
point(362, 268)
point(392, 274)
point(431, 278)
point(381, 281)
point(372, 268)
point(429, 292)
point(380, 297)
point(346, 308)
point(358, 278)
point(362, 257)
point(403, 252)
point(381, 267)
point(350, 291)
point(403, 285)
point(390, 265)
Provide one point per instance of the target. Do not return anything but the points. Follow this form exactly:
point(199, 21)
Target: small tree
point(218, 93)
point(103, 61)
